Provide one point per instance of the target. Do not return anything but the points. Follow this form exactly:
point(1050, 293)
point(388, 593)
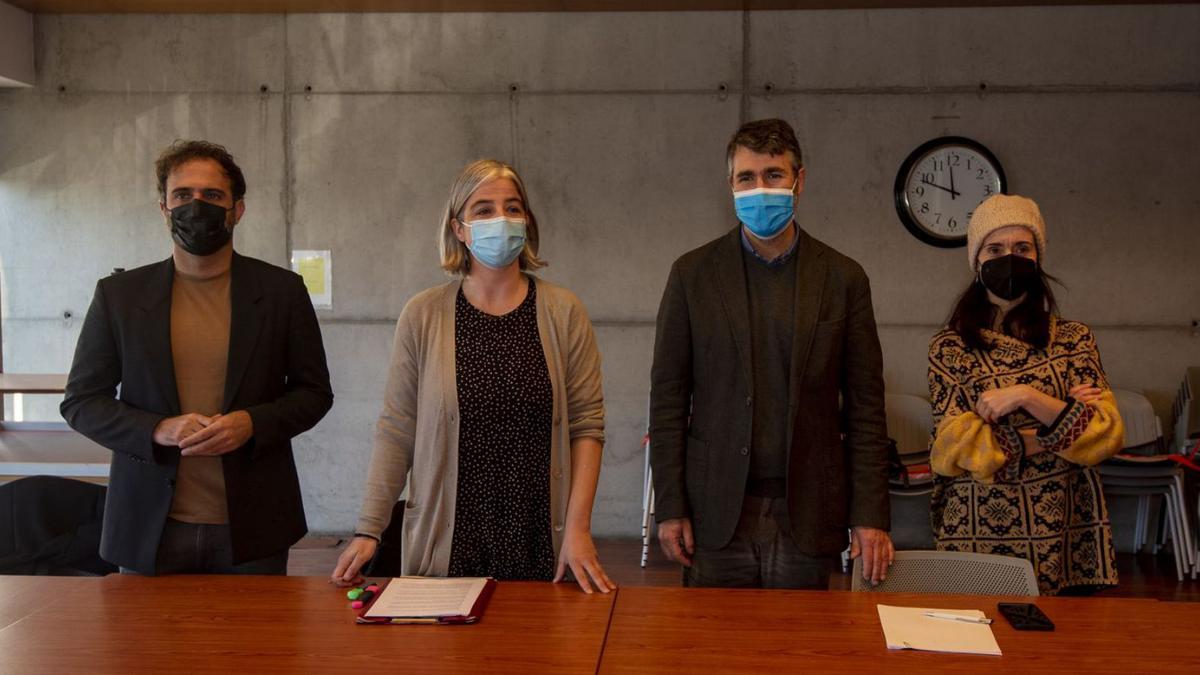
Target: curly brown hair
point(183, 151)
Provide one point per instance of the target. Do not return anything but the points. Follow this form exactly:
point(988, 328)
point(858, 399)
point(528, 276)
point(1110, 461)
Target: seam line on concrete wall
point(514, 104)
point(993, 89)
point(522, 92)
point(744, 92)
point(289, 176)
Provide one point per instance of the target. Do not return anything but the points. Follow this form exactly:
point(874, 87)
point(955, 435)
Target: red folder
point(470, 617)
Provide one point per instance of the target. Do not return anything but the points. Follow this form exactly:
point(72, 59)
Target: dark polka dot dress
point(505, 405)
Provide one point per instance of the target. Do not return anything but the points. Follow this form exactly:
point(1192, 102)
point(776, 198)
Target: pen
point(957, 617)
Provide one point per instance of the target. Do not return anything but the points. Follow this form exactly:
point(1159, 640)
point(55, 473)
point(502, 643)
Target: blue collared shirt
point(779, 260)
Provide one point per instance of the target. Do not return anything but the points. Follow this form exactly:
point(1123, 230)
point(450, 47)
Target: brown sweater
point(200, 318)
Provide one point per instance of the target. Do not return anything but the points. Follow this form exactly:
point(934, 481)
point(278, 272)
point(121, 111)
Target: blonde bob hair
point(456, 258)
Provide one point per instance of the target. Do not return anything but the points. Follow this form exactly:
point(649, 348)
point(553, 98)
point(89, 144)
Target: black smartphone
point(1025, 616)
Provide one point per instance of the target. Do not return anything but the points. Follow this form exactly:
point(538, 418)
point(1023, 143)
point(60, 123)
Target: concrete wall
point(16, 47)
point(618, 122)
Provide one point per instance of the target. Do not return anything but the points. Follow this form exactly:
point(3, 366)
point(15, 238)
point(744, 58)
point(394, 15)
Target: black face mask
point(199, 227)
point(1010, 276)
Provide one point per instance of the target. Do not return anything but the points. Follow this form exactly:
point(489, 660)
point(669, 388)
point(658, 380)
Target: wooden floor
point(1141, 576)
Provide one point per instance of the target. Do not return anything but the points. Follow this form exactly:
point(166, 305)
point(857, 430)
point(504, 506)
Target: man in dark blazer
point(219, 363)
point(759, 468)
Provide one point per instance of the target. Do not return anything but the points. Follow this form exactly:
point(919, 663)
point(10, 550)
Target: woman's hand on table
point(579, 555)
point(357, 553)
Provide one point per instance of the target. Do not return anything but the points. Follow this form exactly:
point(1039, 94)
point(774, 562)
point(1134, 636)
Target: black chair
point(386, 562)
point(51, 526)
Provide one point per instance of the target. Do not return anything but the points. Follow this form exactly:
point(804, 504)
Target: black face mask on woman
point(1010, 276)
point(199, 227)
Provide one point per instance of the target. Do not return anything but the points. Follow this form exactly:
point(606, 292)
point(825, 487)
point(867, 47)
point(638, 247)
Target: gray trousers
point(205, 549)
point(762, 554)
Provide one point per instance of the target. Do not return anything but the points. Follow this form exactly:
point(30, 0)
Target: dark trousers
point(762, 554)
point(205, 549)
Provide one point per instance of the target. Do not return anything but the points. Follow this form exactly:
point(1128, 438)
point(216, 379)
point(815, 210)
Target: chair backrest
point(910, 520)
point(1142, 427)
point(953, 572)
point(1186, 410)
point(1115, 470)
point(909, 421)
point(51, 525)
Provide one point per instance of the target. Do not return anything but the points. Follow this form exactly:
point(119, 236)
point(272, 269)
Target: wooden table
point(207, 624)
point(210, 624)
point(673, 630)
point(22, 596)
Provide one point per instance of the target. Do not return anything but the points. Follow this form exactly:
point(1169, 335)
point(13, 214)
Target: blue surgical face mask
point(497, 242)
point(766, 212)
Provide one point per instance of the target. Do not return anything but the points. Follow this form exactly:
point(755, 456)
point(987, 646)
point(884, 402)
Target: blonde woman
point(493, 416)
point(1022, 409)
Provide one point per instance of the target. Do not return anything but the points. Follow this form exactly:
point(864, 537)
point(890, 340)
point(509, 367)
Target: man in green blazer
point(768, 439)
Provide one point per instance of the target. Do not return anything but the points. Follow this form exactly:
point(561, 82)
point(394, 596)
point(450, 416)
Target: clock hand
point(953, 192)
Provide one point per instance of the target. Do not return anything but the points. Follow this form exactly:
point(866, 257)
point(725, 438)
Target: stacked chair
point(910, 424)
point(1186, 413)
point(1143, 469)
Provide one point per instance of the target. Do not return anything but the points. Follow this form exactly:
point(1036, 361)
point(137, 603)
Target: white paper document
point(425, 597)
point(909, 628)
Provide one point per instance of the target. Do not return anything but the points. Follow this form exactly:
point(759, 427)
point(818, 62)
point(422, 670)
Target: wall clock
point(939, 185)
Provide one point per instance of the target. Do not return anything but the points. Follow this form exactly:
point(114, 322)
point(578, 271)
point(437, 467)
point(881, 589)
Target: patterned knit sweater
point(989, 497)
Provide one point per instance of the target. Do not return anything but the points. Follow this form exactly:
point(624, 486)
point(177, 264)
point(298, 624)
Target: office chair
point(953, 572)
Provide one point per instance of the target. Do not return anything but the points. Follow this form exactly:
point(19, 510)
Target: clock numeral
point(954, 159)
point(979, 176)
point(926, 178)
point(952, 224)
point(937, 219)
point(925, 207)
point(969, 214)
point(920, 190)
point(939, 165)
point(968, 164)
point(987, 189)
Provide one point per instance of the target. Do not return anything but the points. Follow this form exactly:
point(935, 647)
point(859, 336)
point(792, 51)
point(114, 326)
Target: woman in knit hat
point(1021, 410)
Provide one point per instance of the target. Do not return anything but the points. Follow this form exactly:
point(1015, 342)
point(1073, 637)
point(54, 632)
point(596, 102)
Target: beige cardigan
point(418, 427)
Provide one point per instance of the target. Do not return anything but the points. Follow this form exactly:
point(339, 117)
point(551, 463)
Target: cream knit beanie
point(1000, 211)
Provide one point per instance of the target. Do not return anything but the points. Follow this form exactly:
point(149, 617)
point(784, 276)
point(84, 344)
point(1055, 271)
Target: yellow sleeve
point(967, 444)
point(962, 441)
point(1086, 434)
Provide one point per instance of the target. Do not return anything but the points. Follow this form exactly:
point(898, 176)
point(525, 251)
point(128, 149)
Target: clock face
point(939, 186)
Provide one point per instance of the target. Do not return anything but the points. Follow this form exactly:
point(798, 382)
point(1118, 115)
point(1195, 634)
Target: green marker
point(353, 593)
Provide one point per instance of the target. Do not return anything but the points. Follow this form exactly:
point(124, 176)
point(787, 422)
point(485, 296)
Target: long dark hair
point(1029, 321)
